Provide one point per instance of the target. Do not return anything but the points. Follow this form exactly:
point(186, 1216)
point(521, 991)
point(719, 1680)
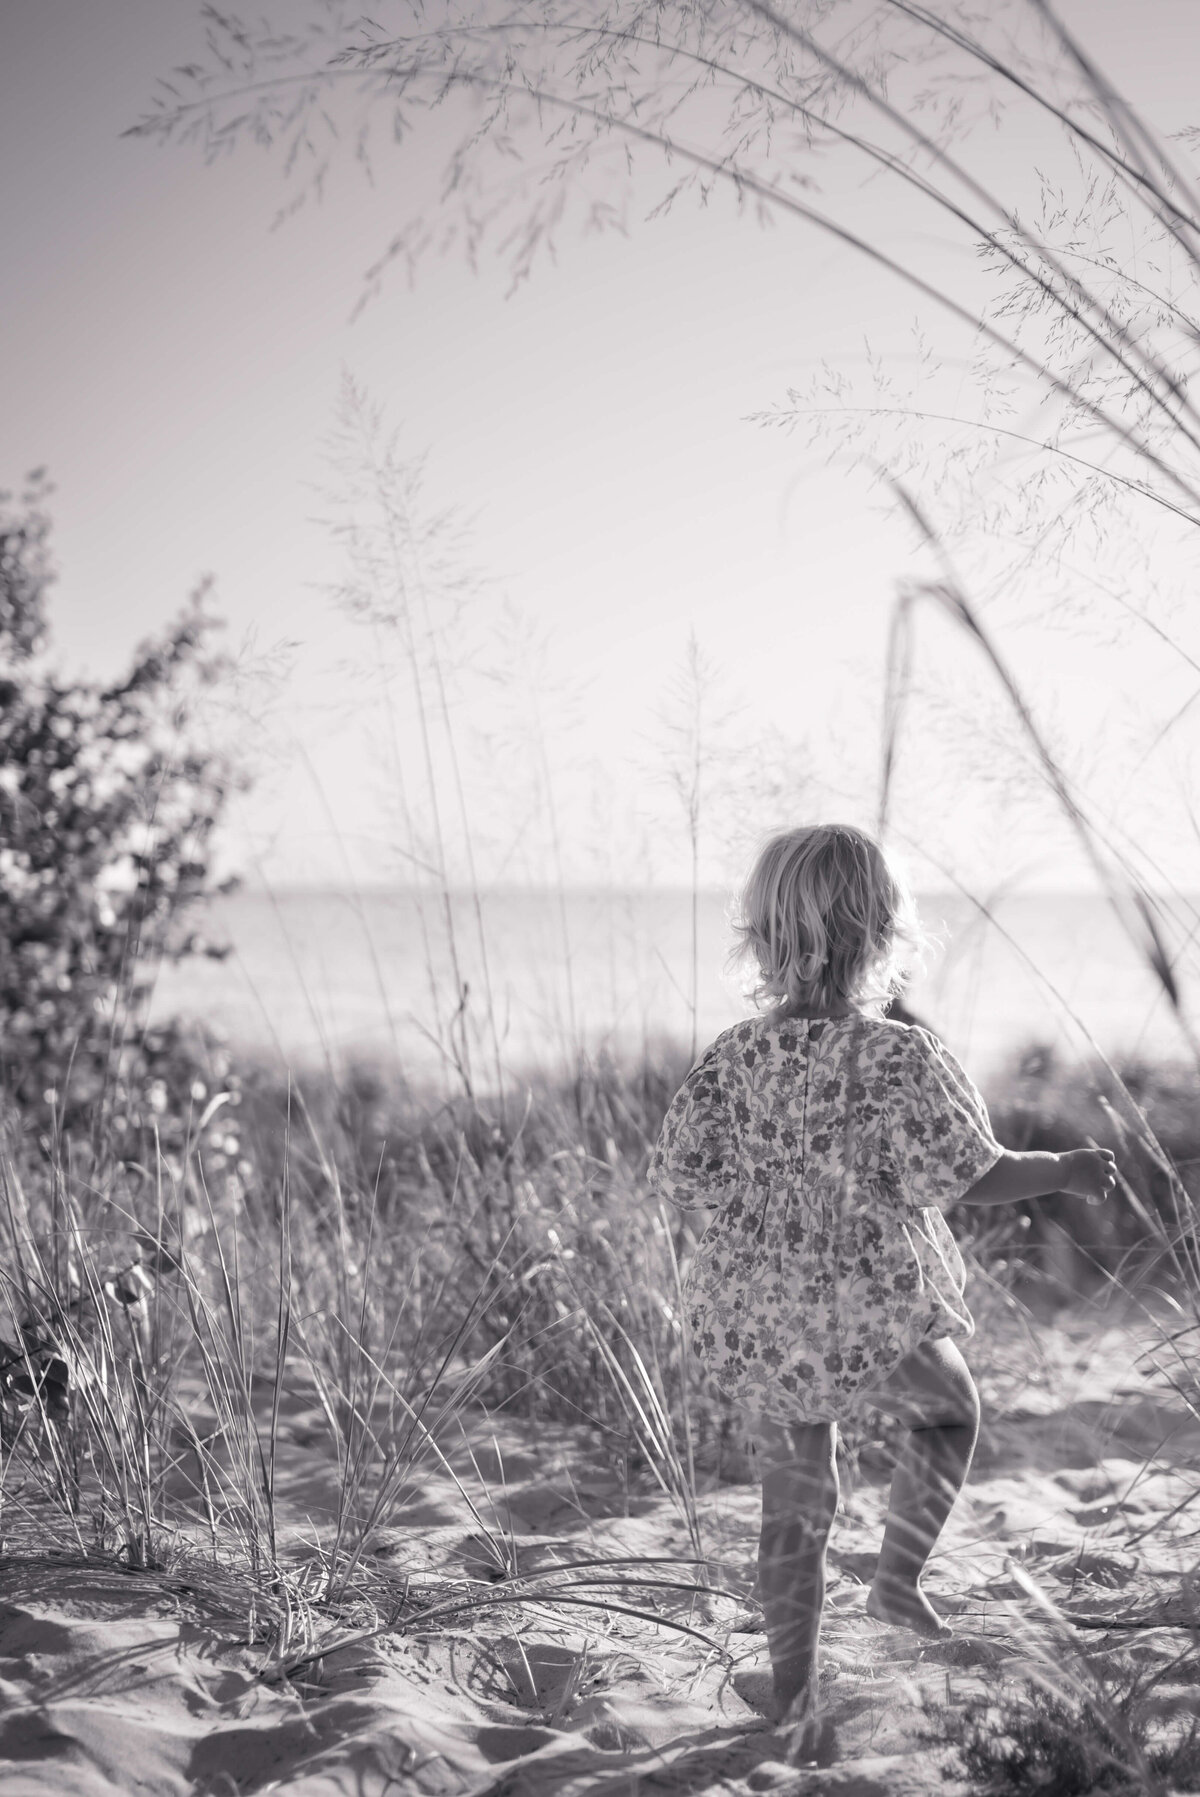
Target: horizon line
point(251, 886)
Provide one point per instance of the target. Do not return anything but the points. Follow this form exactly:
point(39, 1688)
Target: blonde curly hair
point(827, 920)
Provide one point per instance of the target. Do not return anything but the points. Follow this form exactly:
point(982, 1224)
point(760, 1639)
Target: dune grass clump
point(1043, 1736)
point(537, 1216)
point(161, 1321)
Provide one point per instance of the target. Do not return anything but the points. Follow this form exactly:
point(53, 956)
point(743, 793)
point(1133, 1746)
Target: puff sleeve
point(692, 1162)
point(941, 1135)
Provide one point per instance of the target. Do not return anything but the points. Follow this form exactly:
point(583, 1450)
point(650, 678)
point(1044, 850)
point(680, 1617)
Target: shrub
point(108, 800)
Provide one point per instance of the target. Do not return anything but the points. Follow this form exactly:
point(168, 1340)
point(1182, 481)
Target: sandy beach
point(1072, 1548)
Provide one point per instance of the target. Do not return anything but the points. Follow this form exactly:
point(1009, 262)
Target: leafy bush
point(108, 799)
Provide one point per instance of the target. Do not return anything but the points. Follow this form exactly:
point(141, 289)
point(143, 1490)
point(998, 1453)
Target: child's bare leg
point(799, 1499)
point(933, 1392)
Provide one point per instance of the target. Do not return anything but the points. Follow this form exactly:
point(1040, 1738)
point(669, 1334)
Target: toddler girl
point(830, 1139)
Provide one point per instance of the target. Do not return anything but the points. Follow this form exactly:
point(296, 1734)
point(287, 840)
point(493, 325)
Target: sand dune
point(162, 1682)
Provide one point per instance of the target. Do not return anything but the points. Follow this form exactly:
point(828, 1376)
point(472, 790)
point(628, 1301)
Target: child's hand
point(1091, 1173)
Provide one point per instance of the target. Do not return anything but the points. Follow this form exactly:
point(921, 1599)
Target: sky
point(176, 365)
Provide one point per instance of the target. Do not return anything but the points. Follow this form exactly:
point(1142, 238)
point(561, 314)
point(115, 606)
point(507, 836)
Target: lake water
point(325, 975)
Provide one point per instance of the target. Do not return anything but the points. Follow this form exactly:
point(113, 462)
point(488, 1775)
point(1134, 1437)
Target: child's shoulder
point(907, 1043)
point(897, 1030)
point(733, 1044)
point(755, 1035)
point(730, 1042)
point(892, 1042)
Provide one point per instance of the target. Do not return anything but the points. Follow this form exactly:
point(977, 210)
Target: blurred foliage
point(109, 795)
point(1148, 1113)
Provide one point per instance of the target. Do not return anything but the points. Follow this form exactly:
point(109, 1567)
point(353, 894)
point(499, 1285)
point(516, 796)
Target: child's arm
point(1084, 1172)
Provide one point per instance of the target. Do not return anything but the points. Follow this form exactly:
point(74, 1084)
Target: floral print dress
point(830, 1148)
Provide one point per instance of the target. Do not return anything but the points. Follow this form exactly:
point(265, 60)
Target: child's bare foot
point(789, 1712)
point(808, 1734)
point(907, 1607)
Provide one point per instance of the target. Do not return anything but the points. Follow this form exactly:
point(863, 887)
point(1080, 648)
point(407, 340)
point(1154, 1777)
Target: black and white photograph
point(599, 898)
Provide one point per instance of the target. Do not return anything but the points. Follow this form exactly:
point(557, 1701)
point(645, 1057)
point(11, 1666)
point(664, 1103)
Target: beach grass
point(403, 1259)
point(245, 1378)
